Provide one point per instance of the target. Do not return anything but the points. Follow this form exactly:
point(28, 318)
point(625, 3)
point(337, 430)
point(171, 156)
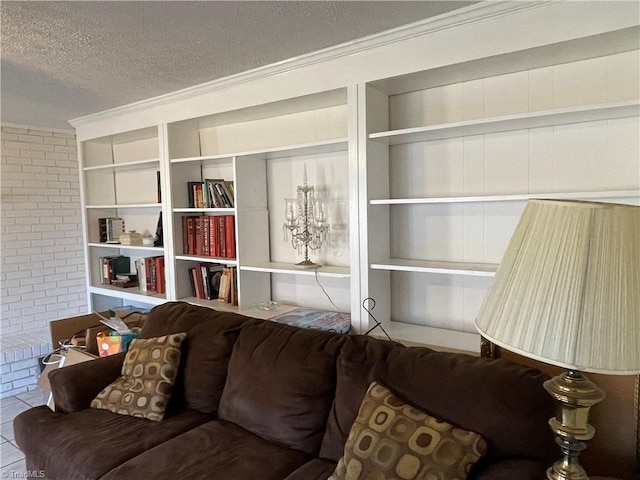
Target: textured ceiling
point(62, 60)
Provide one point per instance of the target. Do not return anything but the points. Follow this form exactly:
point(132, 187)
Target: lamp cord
point(315, 271)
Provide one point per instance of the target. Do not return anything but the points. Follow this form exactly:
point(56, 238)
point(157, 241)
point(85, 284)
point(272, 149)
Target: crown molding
point(459, 18)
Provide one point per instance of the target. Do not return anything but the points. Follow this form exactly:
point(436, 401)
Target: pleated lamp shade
point(567, 291)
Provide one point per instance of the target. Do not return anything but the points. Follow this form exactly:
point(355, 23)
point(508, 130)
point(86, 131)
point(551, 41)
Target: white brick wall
point(42, 267)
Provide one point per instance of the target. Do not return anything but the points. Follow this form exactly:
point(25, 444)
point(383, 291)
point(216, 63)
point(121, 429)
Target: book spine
point(149, 270)
point(214, 249)
point(222, 236)
point(142, 274)
point(206, 246)
point(198, 235)
point(230, 234)
point(185, 236)
point(159, 186)
point(159, 268)
point(191, 250)
point(102, 228)
point(191, 194)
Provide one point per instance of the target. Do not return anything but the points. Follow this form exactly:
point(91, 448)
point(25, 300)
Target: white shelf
point(436, 338)
point(508, 123)
point(510, 198)
point(288, 268)
point(124, 166)
point(195, 258)
point(428, 266)
point(215, 304)
point(128, 247)
point(223, 211)
point(223, 156)
point(130, 205)
point(133, 294)
point(312, 148)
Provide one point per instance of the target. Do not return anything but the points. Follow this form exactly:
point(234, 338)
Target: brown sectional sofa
point(260, 400)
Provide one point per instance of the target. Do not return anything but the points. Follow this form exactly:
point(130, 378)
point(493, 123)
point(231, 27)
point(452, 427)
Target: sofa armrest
point(73, 387)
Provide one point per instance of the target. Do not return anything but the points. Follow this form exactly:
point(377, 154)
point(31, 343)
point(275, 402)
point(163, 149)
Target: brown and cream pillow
point(392, 439)
point(147, 378)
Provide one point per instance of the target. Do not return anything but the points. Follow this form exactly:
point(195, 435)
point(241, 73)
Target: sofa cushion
point(87, 444)
point(362, 359)
point(205, 352)
point(316, 469)
point(281, 383)
point(148, 374)
point(216, 450)
point(393, 438)
point(504, 402)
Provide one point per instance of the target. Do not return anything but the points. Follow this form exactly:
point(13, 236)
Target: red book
point(198, 235)
point(206, 246)
point(185, 235)
point(150, 268)
point(214, 246)
point(197, 282)
point(230, 236)
point(222, 237)
point(159, 267)
point(191, 236)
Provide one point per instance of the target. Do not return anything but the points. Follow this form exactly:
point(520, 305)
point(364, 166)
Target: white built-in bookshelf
point(425, 143)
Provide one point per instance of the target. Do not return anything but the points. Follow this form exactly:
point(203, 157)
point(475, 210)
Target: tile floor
point(13, 465)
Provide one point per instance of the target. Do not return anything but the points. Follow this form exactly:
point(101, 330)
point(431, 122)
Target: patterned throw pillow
point(392, 439)
point(148, 374)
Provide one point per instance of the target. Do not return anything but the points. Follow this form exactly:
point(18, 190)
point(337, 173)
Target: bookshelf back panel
point(136, 186)
point(121, 187)
point(442, 301)
point(538, 160)
point(305, 291)
point(604, 79)
point(96, 153)
point(295, 128)
point(142, 220)
point(473, 233)
point(121, 148)
point(183, 173)
point(100, 187)
point(133, 151)
point(329, 175)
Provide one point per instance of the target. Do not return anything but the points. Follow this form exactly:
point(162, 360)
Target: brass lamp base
point(307, 264)
point(575, 395)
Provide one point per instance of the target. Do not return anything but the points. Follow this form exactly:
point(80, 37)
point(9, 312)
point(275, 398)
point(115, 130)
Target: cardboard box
point(85, 328)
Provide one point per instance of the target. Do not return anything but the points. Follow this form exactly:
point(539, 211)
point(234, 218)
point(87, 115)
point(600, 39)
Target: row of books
point(211, 281)
point(209, 236)
point(211, 193)
point(112, 266)
point(110, 229)
point(149, 273)
point(151, 276)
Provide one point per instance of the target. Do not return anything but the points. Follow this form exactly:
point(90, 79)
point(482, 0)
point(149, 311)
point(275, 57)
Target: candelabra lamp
point(566, 293)
point(306, 223)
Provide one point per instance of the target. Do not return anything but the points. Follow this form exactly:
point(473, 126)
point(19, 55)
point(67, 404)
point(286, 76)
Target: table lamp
point(567, 293)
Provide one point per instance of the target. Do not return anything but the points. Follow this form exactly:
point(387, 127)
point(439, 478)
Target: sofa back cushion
point(281, 382)
point(205, 351)
point(362, 359)
point(504, 402)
